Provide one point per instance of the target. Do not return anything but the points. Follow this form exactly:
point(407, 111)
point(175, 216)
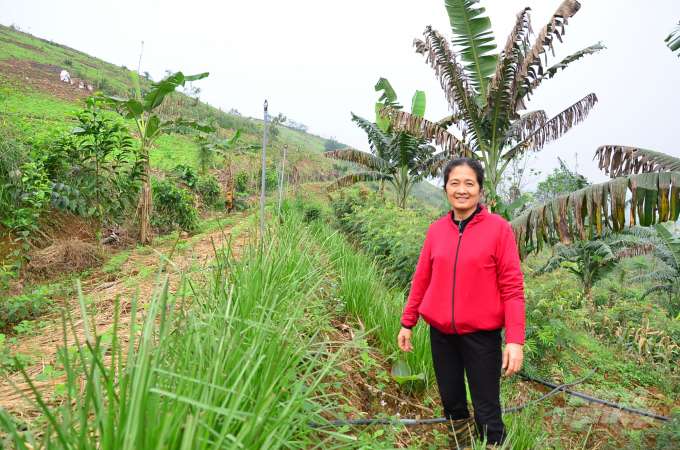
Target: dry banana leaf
point(583, 214)
point(352, 178)
point(428, 131)
point(619, 160)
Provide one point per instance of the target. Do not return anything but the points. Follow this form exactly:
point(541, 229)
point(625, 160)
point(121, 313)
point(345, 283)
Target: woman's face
point(462, 189)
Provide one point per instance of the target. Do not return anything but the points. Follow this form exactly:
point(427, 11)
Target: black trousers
point(479, 356)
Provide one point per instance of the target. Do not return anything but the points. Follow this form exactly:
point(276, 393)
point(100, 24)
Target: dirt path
point(137, 271)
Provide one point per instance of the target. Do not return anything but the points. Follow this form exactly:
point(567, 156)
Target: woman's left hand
point(512, 358)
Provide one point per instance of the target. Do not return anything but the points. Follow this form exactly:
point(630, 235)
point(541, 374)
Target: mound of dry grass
point(68, 255)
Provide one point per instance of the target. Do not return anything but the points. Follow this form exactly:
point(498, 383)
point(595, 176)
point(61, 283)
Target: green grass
point(233, 359)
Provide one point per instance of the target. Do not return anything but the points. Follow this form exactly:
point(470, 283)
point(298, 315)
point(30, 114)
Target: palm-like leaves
point(591, 261)
point(486, 91)
point(669, 252)
point(373, 162)
point(474, 37)
point(397, 158)
point(588, 212)
point(673, 39)
point(619, 160)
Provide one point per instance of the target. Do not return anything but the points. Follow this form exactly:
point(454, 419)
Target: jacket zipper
point(453, 293)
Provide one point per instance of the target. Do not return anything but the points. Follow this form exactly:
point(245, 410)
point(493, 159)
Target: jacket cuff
point(404, 326)
point(514, 336)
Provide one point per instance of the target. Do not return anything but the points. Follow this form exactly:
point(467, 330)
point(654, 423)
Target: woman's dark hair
point(473, 164)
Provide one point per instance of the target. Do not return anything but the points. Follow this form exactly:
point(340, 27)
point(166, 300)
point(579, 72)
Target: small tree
point(104, 150)
point(398, 157)
point(592, 261)
point(150, 127)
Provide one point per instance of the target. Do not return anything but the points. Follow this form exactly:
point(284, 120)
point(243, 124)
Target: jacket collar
point(476, 219)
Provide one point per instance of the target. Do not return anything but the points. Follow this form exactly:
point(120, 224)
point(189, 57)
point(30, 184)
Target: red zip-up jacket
point(469, 281)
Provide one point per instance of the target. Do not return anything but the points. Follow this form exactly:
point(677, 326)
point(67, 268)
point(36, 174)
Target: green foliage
point(393, 235)
point(187, 175)
point(209, 190)
point(14, 310)
point(186, 360)
point(673, 39)
point(332, 144)
point(270, 178)
point(594, 260)
point(562, 181)
point(172, 207)
point(241, 181)
point(401, 373)
point(105, 164)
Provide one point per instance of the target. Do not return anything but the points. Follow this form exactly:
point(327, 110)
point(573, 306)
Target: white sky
point(316, 61)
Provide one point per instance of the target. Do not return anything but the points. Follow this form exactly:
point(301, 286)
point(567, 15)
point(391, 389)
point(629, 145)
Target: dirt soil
point(102, 289)
point(34, 77)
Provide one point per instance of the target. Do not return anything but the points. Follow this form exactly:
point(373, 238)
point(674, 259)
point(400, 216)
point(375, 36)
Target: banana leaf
point(580, 215)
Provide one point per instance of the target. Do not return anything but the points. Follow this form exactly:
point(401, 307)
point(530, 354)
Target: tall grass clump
point(365, 294)
point(233, 358)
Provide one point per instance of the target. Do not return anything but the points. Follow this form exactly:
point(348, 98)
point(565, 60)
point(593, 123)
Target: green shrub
point(209, 190)
point(24, 307)
point(186, 174)
point(270, 180)
point(241, 181)
point(172, 206)
point(394, 235)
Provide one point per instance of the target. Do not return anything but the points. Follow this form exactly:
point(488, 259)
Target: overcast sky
point(315, 61)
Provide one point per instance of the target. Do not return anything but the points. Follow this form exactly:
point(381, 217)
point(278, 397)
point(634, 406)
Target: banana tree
point(645, 190)
point(150, 127)
point(669, 253)
point(397, 157)
point(592, 261)
point(487, 91)
point(228, 149)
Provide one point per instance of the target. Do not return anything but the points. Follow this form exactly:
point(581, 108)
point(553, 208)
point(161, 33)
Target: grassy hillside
point(35, 101)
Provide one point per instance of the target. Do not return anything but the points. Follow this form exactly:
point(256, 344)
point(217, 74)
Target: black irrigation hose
point(600, 401)
point(508, 410)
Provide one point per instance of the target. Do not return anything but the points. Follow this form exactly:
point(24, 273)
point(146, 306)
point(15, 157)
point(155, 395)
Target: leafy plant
point(27, 306)
point(673, 39)
point(592, 261)
point(173, 206)
point(486, 91)
point(209, 190)
point(401, 372)
point(669, 252)
point(186, 174)
point(397, 157)
point(151, 126)
point(106, 163)
point(241, 181)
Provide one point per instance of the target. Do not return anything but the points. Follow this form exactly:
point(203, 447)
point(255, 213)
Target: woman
point(467, 286)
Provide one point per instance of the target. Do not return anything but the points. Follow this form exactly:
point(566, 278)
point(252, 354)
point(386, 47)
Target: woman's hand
point(404, 340)
point(512, 358)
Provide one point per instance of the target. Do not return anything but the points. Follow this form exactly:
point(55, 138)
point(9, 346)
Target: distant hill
point(34, 100)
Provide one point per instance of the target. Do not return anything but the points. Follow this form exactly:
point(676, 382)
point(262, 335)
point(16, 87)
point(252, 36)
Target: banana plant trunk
point(145, 202)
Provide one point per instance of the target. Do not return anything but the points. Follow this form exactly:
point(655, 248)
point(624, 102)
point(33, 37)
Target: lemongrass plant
point(233, 359)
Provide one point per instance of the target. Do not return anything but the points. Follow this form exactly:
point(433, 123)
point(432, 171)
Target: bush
point(209, 190)
point(394, 235)
point(171, 206)
point(271, 181)
point(241, 181)
point(186, 174)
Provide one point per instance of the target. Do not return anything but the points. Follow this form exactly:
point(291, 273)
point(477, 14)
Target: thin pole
point(283, 172)
point(264, 166)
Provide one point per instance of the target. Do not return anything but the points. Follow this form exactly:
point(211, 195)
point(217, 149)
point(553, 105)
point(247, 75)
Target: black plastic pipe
point(597, 400)
point(556, 389)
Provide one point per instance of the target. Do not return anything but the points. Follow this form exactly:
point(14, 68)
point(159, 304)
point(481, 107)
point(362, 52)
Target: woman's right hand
point(404, 340)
